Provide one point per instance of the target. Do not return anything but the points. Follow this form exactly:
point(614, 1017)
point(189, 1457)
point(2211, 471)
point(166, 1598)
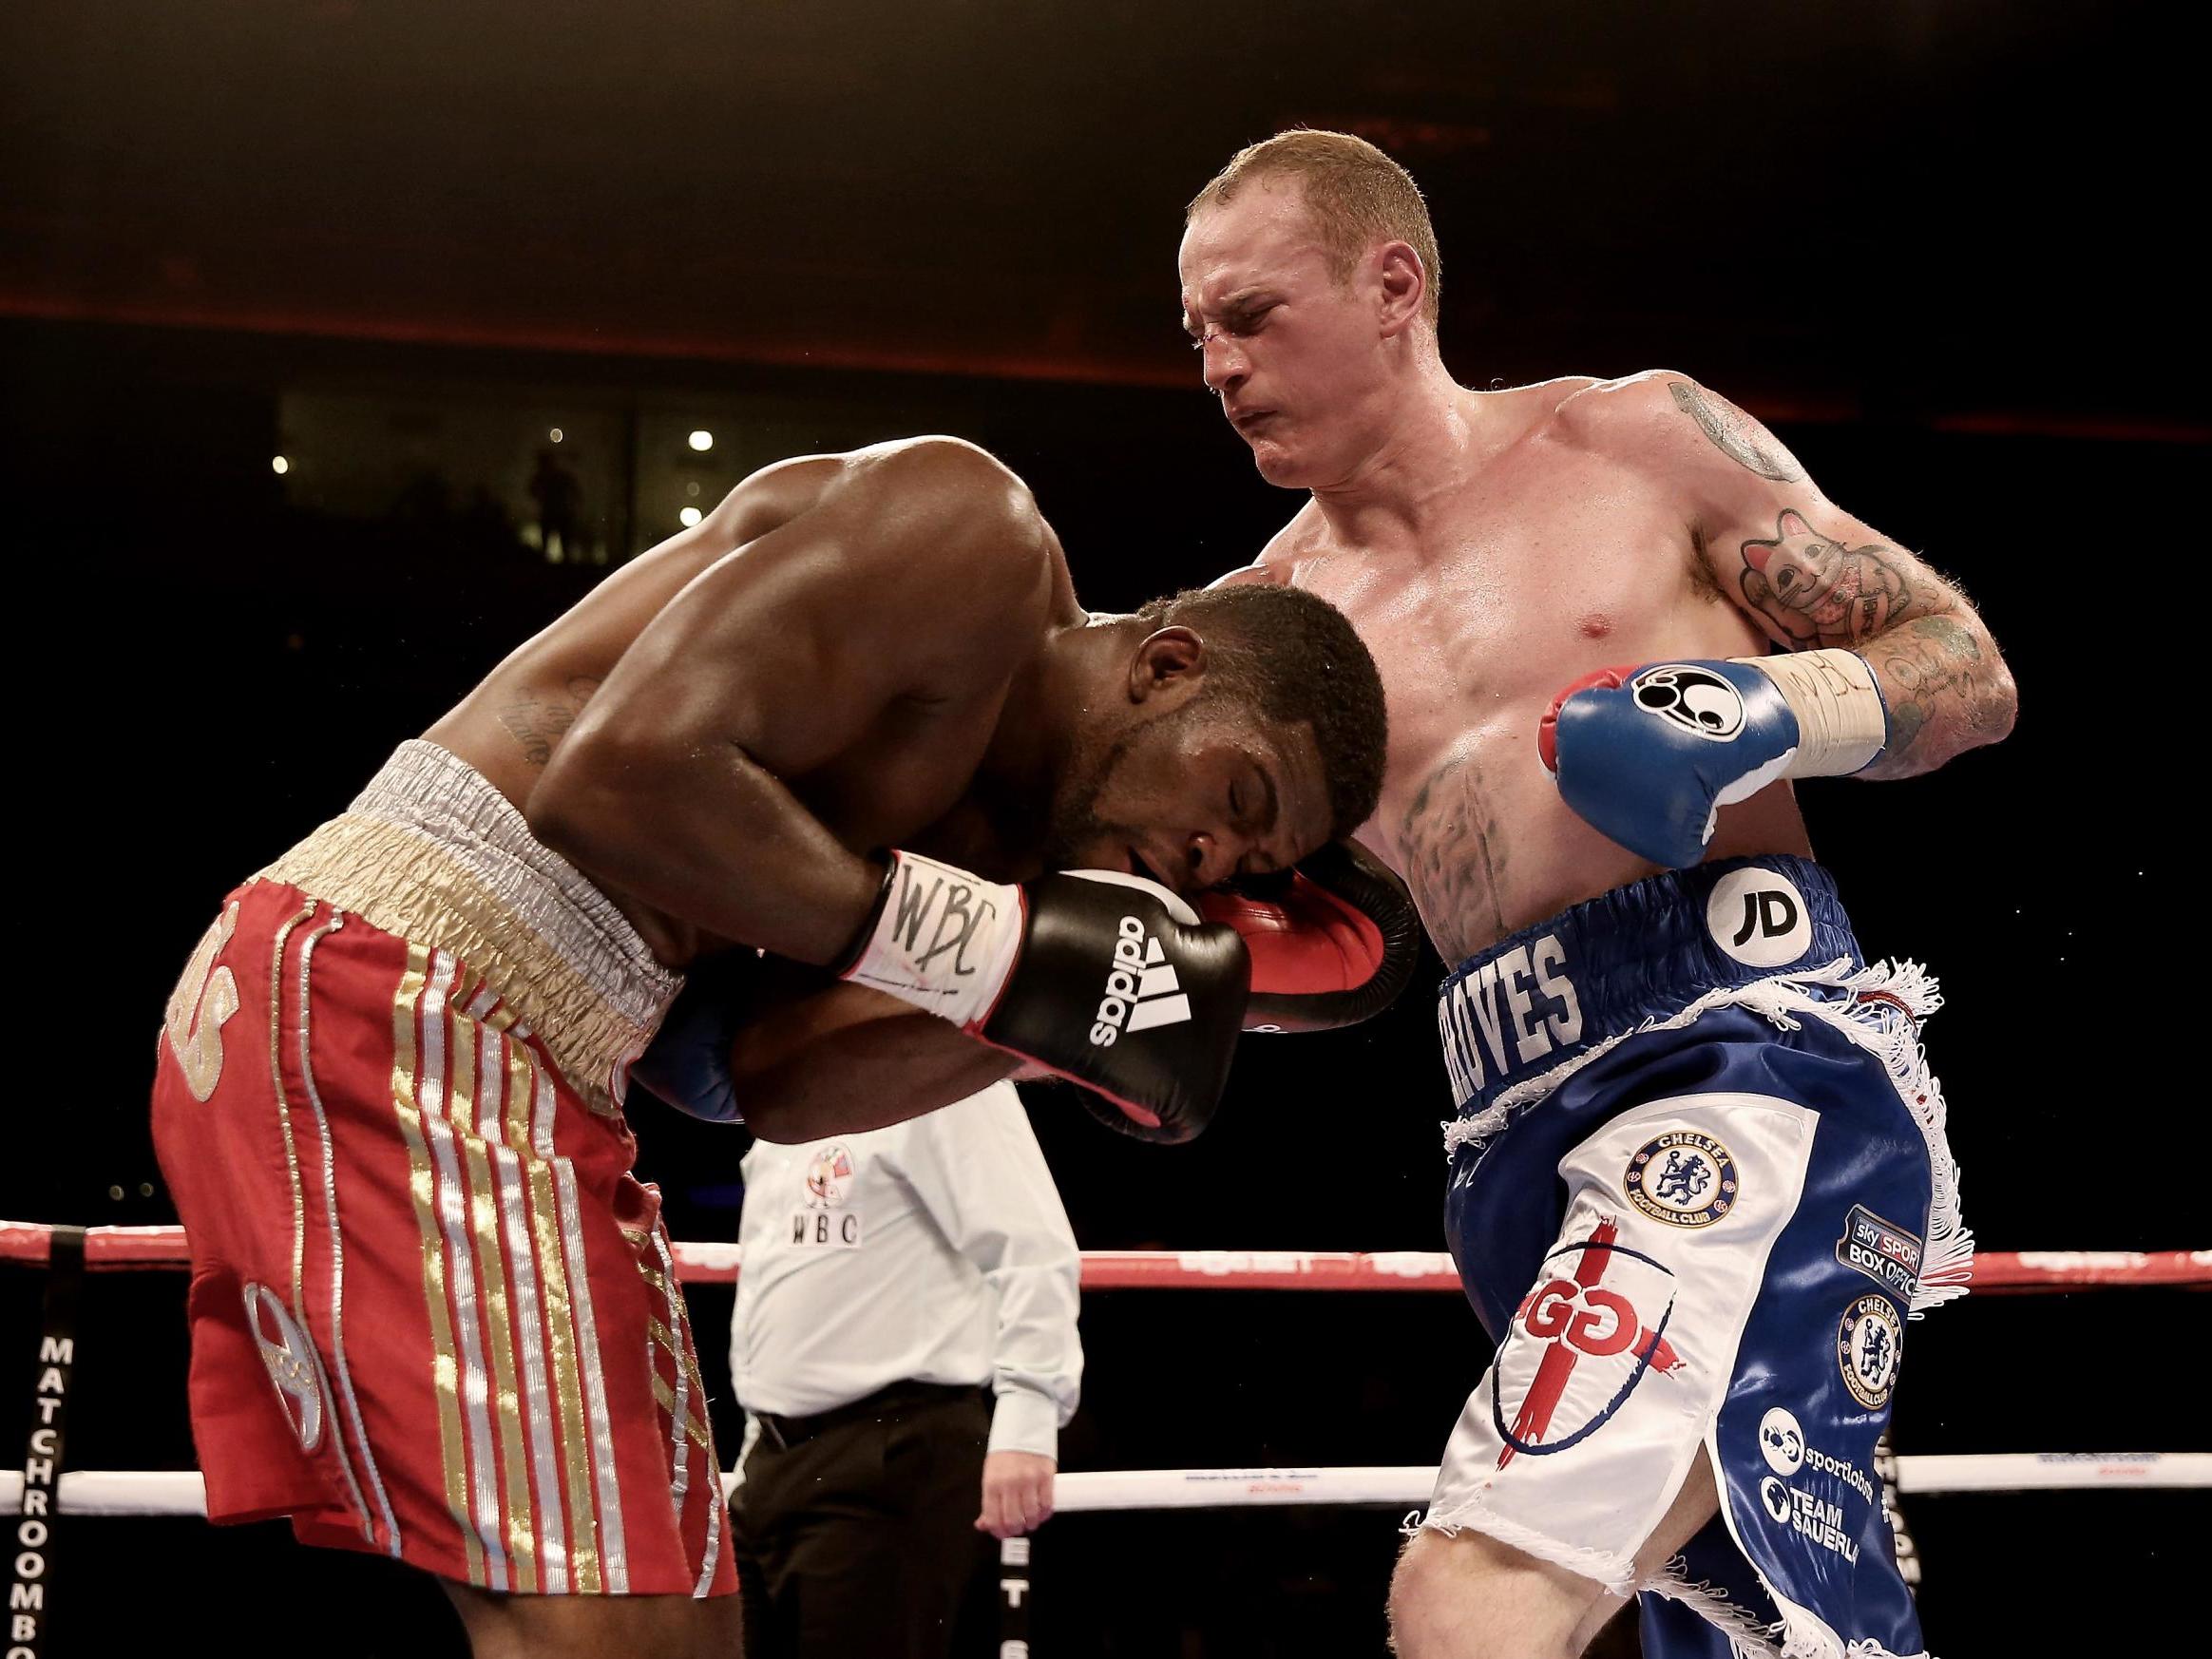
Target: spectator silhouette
point(560, 499)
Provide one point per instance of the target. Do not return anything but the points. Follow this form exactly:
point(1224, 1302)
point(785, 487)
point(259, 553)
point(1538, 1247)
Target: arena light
point(279, 465)
point(702, 440)
point(690, 516)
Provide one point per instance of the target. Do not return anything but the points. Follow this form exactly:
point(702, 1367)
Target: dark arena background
point(346, 342)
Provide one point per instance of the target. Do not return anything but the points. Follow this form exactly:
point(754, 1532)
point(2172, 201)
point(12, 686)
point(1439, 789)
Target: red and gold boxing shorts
point(433, 1314)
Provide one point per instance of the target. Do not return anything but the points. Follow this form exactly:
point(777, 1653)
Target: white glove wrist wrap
point(944, 940)
point(1842, 724)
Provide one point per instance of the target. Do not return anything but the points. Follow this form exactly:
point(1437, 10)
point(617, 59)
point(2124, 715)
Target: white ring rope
point(110, 1492)
point(139, 1492)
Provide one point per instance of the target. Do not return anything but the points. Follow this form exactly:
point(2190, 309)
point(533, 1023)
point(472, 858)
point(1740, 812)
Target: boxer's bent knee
point(1466, 1596)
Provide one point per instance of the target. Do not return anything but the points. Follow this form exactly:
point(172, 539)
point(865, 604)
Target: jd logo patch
point(1757, 917)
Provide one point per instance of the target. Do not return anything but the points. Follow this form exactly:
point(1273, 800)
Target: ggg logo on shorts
point(1682, 1178)
point(1869, 1344)
point(1579, 1343)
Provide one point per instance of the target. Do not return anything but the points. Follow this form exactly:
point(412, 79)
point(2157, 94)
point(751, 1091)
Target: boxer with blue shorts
point(1699, 1187)
point(1698, 1181)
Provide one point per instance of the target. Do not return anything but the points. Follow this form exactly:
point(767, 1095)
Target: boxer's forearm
point(1946, 687)
point(726, 847)
point(795, 1082)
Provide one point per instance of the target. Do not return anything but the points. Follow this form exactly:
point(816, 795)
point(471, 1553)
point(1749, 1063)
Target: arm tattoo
point(1814, 591)
point(537, 723)
point(1924, 659)
point(1739, 437)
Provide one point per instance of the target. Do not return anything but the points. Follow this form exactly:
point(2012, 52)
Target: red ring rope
point(113, 1248)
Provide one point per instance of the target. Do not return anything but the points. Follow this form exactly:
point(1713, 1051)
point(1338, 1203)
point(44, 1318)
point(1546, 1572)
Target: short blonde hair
point(1355, 195)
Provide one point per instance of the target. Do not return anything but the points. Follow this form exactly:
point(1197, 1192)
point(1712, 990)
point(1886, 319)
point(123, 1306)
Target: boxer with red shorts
point(434, 1315)
point(365, 1107)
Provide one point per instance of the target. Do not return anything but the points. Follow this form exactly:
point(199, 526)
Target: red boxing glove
point(1332, 940)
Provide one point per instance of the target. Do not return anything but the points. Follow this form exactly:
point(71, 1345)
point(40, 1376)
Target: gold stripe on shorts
point(509, 1467)
point(422, 1187)
point(510, 1162)
point(525, 1081)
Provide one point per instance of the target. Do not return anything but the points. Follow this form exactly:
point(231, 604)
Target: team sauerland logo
point(1806, 1490)
point(1580, 1344)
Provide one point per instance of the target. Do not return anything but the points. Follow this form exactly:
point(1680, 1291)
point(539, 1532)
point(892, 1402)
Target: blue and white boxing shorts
point(1699, 1188)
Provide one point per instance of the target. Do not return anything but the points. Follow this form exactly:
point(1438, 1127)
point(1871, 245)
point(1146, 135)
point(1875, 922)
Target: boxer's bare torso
point(855, 653)
point(1553, 551)
point(912, 768)
point(1493, 547)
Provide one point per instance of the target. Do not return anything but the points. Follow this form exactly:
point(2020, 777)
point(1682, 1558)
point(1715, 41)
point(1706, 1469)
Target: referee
point(904, 1348)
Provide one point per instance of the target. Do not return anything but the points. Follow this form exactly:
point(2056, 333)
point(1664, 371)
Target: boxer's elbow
point(2004, 704)
point(596, 804)
point(1994, 702)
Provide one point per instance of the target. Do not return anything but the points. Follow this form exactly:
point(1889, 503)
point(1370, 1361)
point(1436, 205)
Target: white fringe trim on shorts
point(1887, 1001)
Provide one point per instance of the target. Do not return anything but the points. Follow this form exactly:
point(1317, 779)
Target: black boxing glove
point(1333, 940)
point(1107, 980)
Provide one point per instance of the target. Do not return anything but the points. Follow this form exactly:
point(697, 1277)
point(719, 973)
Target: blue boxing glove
point(1650, 754)
point(687, 1064)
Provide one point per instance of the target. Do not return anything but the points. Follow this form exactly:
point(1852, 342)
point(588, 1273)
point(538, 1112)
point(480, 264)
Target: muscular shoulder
point(1306, 533)
point(943, 486)
point(1666, 418)
point(948, 512)
point(1618, 414)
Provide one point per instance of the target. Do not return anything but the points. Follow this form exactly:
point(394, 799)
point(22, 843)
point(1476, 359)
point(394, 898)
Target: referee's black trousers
point(854, 1532)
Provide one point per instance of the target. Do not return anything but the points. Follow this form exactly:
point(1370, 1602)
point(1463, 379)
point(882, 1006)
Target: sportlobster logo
point(1595, 1348)
point(1141, 990)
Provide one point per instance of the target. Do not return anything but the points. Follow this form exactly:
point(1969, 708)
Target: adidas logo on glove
point(1141, 991)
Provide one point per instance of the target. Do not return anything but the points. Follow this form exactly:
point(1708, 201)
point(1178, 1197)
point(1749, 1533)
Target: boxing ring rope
point(108, 1249)
point(139, 1492)
point(157, 1493)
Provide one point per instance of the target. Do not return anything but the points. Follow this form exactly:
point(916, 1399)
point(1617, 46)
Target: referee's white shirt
point(935, 1251)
